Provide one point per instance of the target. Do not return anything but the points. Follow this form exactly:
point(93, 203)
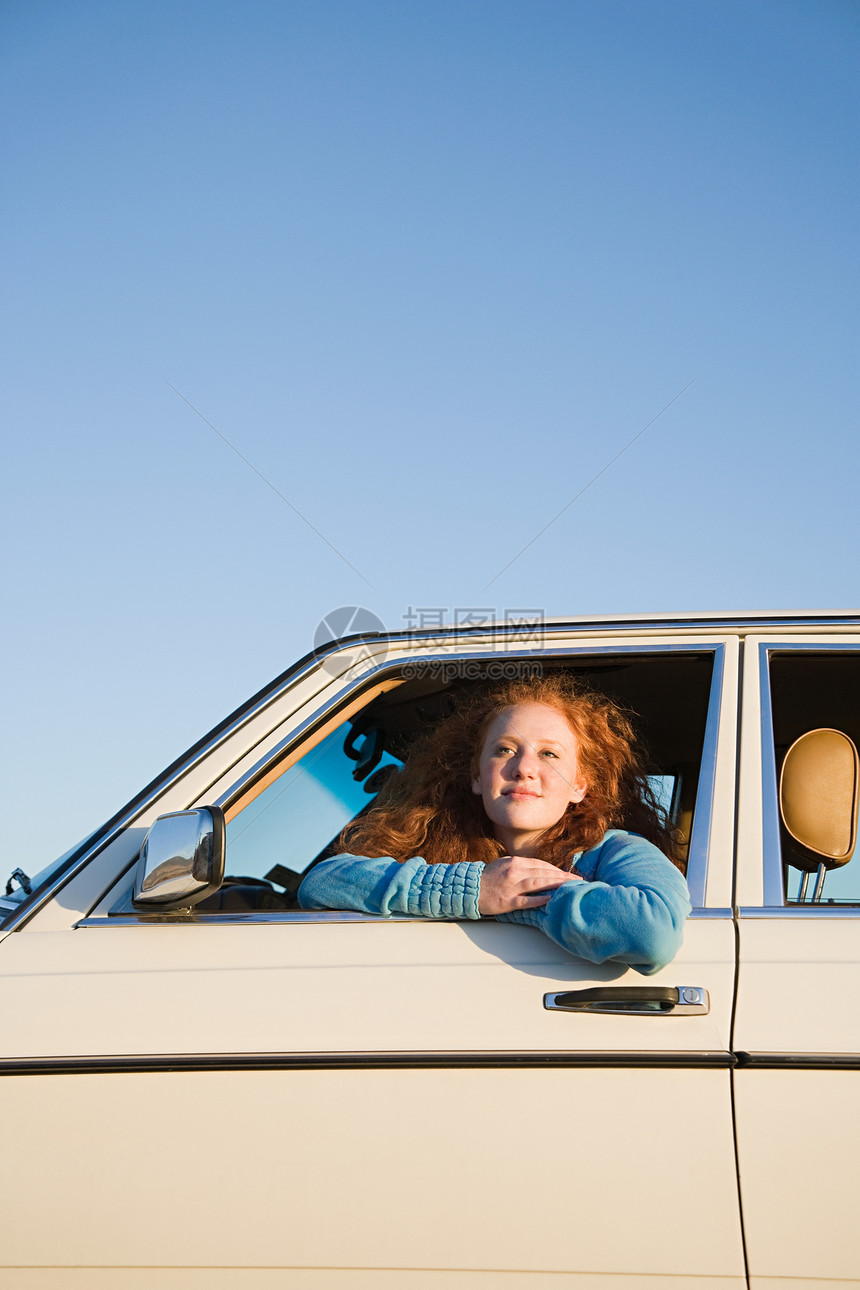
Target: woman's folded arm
point(632, 910)
point(384, 886)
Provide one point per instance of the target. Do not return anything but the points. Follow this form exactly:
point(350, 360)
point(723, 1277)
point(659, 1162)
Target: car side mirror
point(182, 859)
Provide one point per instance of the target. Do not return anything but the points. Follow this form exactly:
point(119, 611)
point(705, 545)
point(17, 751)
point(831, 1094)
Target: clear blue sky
point(429, 265)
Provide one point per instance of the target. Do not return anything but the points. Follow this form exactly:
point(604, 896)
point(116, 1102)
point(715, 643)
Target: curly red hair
point(429, 809)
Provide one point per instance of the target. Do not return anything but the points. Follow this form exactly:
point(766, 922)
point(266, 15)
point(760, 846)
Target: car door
point(362, 1101)
point(797, 1030)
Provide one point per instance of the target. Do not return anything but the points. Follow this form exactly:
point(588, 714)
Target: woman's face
point(528, 773)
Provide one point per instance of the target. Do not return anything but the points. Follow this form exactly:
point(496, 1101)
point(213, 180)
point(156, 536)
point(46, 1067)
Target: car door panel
point(346, 1101)
point(369, 985)
point(797, 1026)
point(595, 1144)
point(798, 1129)
point(444, 1170)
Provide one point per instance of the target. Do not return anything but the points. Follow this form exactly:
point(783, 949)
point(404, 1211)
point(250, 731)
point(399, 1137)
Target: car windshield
point(19, 885)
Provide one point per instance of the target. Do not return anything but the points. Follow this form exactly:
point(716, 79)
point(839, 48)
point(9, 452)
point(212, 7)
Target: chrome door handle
point(635, 1000)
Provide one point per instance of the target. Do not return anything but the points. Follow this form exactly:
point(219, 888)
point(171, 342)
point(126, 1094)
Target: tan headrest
point(818, 793)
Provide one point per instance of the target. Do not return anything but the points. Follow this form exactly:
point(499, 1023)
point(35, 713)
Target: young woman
point(529, 804)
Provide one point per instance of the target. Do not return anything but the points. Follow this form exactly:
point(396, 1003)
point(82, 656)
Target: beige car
point(209, 1087)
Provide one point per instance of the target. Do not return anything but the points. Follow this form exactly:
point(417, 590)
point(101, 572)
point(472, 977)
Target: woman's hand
point(519, 882)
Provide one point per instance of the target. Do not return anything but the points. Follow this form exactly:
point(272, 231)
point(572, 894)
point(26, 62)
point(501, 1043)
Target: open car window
point(814, 690)
point(277, 835)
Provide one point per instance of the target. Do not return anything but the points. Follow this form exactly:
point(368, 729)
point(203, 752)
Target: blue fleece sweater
point(630, 908)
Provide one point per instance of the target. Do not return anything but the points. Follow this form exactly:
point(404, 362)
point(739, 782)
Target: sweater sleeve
point(384, 886)
point(632, 911)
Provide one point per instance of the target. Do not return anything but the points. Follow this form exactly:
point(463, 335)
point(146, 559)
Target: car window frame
point(773, 878)
point(305, 736)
